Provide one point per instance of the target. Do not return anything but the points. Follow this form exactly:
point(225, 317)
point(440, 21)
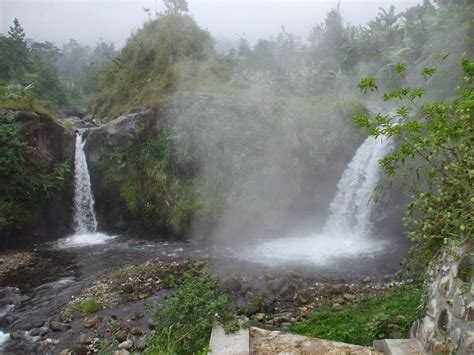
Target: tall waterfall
point(84, 214)
point(352, 207)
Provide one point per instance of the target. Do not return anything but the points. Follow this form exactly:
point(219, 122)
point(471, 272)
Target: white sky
point(113, 20)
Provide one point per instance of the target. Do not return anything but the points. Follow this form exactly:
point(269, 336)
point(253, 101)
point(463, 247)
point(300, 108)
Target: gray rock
point(85, 339)
point(35, 332)
point(337, 306)
point(58, 326)
point(91, 322)
point(126, 345)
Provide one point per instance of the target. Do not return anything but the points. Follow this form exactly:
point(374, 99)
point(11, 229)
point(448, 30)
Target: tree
point(435, 157)
point(175, 6)
point(13, 54)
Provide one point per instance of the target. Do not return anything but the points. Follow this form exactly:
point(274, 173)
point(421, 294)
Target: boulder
point(111, 209)
point(58, 326)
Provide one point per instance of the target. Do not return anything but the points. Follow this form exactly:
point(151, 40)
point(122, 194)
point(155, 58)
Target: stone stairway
point(261, 341)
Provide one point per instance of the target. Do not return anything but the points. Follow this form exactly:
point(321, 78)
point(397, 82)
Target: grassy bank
point(389, 315)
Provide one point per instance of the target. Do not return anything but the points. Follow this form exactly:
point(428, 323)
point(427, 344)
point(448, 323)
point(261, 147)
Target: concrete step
point(229, 344)
point(399, 347)
point(274, 342)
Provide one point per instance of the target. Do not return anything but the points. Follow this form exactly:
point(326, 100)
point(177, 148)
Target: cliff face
point(47, 144)
point(110, 207)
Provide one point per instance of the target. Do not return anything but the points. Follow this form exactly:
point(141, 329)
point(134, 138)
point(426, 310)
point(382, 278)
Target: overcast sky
point(113, 20)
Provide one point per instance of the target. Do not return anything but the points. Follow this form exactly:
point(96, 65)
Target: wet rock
point(126, 345)
point(16, 335)
point(35, 332)
point(85, 339)
point(58, 326)
point(91, 322)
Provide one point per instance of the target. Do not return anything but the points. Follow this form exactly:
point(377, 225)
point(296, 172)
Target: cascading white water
point(84, 215)
point(347, 231)
point(85, 221)
point(351, 208)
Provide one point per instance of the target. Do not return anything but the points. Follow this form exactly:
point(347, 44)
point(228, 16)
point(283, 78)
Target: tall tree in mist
point(175, 6)
point(13, 53)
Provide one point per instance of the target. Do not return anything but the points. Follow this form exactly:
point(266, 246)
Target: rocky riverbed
point(85, 299)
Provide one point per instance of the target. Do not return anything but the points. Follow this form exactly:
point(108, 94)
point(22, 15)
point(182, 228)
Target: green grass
point(184, 321)
point(374, 318)
point(87, 306)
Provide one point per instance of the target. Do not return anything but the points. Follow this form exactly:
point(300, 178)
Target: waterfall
point(84, 214)
point(352, 207)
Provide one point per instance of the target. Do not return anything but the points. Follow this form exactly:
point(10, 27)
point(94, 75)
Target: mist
point(91, 21)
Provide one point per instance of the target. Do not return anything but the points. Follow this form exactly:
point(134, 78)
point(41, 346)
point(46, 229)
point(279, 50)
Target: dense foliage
point(184, 321)
point(435, 157)
point(146, 69)
point(156, 192)
point(24, 188)
point(31, 65)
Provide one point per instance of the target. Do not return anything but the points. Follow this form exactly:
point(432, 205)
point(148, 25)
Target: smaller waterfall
point(352, 207)
point(85, 221)
point(84, 214)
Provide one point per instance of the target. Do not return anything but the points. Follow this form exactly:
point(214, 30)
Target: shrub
point(185, 320)
point(435, 157)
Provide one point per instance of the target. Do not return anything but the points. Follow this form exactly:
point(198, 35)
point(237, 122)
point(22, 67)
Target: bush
point(23, 188)
point(184, 321)
point(435, 157)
